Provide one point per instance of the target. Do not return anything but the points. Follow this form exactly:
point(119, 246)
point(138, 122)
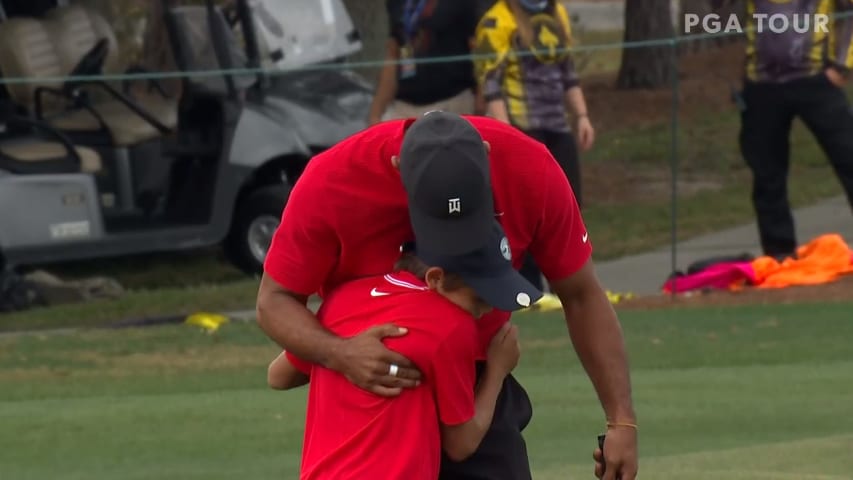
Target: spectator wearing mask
point(793, 74)
point(427, 29)
point(528, 79)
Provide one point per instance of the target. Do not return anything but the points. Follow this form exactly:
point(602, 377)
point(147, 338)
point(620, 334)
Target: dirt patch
point(705, 83)
point(705, 80)
point(838, 291)
point(617, 184)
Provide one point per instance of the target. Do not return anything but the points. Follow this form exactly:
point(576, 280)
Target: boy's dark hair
point(408, 262)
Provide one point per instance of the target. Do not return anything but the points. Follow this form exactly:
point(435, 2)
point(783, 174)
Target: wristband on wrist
point(622, 424)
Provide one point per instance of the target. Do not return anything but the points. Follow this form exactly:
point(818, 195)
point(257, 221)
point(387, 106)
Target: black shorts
point(503, 453)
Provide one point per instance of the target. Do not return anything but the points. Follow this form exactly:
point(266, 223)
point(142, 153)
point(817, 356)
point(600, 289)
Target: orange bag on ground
point(822, 260)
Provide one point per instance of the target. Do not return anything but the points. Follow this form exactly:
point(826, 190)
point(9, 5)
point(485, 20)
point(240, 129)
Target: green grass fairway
point(722, 394)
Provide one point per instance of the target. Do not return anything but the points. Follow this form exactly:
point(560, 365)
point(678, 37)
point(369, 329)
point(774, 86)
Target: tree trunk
point(646, 67)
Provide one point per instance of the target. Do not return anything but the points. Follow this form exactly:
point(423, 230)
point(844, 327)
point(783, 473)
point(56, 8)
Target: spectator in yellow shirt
point(528, 79)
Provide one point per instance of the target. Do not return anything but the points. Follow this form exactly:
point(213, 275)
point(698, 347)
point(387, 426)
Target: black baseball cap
point(488, 271)
point(445, 171)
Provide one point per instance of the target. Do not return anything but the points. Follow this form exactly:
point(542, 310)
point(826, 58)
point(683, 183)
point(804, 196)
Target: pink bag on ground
point(722, 276)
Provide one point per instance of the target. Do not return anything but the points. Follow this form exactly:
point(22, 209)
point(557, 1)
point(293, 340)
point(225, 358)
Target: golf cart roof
point(304, 32)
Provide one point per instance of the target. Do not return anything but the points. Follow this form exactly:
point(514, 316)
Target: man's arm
point(386, 89)
point(497, 109)
point(563, 250)
point(597, 338)
point(303, 253)
point(842, 31)
point(582, 125)
point(573, 97)
point(283, 375)
point(284, 317)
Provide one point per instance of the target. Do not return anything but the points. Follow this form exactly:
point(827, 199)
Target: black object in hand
point(601, 446)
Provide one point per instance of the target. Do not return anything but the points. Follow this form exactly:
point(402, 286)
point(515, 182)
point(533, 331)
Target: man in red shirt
point(346, 217)
point(354, 434)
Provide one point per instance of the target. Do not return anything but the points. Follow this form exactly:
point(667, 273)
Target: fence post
point(674, 163)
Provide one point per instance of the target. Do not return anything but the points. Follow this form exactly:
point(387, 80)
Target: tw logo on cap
point(454, 205)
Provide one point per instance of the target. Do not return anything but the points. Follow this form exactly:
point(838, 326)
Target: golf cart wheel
point(253, 226)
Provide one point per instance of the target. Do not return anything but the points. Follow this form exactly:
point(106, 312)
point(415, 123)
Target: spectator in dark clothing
point(427, 29)
point(792, 74)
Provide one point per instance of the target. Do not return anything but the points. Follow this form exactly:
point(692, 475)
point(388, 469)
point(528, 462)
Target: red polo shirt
point(353, 434)
point(347, 216)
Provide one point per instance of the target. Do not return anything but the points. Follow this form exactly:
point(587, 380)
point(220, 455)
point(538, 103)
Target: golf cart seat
point(29, 50)
point(34, 155)
point(76, 31)
point(30, 147)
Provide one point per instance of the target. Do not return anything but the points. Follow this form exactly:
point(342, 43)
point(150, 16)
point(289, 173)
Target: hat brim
point(508, 291)
point(452, 236)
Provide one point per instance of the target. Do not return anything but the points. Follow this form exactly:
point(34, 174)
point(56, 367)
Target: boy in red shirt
point(349, 212)
point(354, 434)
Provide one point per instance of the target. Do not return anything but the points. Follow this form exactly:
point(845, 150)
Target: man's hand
point(365, 361)
point(620, 463)
point(585, 133)
point(836, 77)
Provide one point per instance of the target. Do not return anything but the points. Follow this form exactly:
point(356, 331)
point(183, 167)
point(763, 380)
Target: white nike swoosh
point(499, 214)
point(585, 237)
point(377, 293)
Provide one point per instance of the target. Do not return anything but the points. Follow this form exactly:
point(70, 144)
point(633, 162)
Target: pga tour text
point(776, 23)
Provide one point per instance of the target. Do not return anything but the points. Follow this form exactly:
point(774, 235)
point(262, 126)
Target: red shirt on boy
point(353, 434)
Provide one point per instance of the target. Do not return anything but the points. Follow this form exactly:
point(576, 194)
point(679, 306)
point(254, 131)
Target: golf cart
point(294, 33)
point(88, 169)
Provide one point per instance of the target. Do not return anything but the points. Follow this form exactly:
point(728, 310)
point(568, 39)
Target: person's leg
point(764, 142)
point(826, 112)
point(563, 147)
point(502, 455)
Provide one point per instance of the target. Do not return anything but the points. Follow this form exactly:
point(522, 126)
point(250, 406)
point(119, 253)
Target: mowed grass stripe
point(107, 436)
point(171, 402)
